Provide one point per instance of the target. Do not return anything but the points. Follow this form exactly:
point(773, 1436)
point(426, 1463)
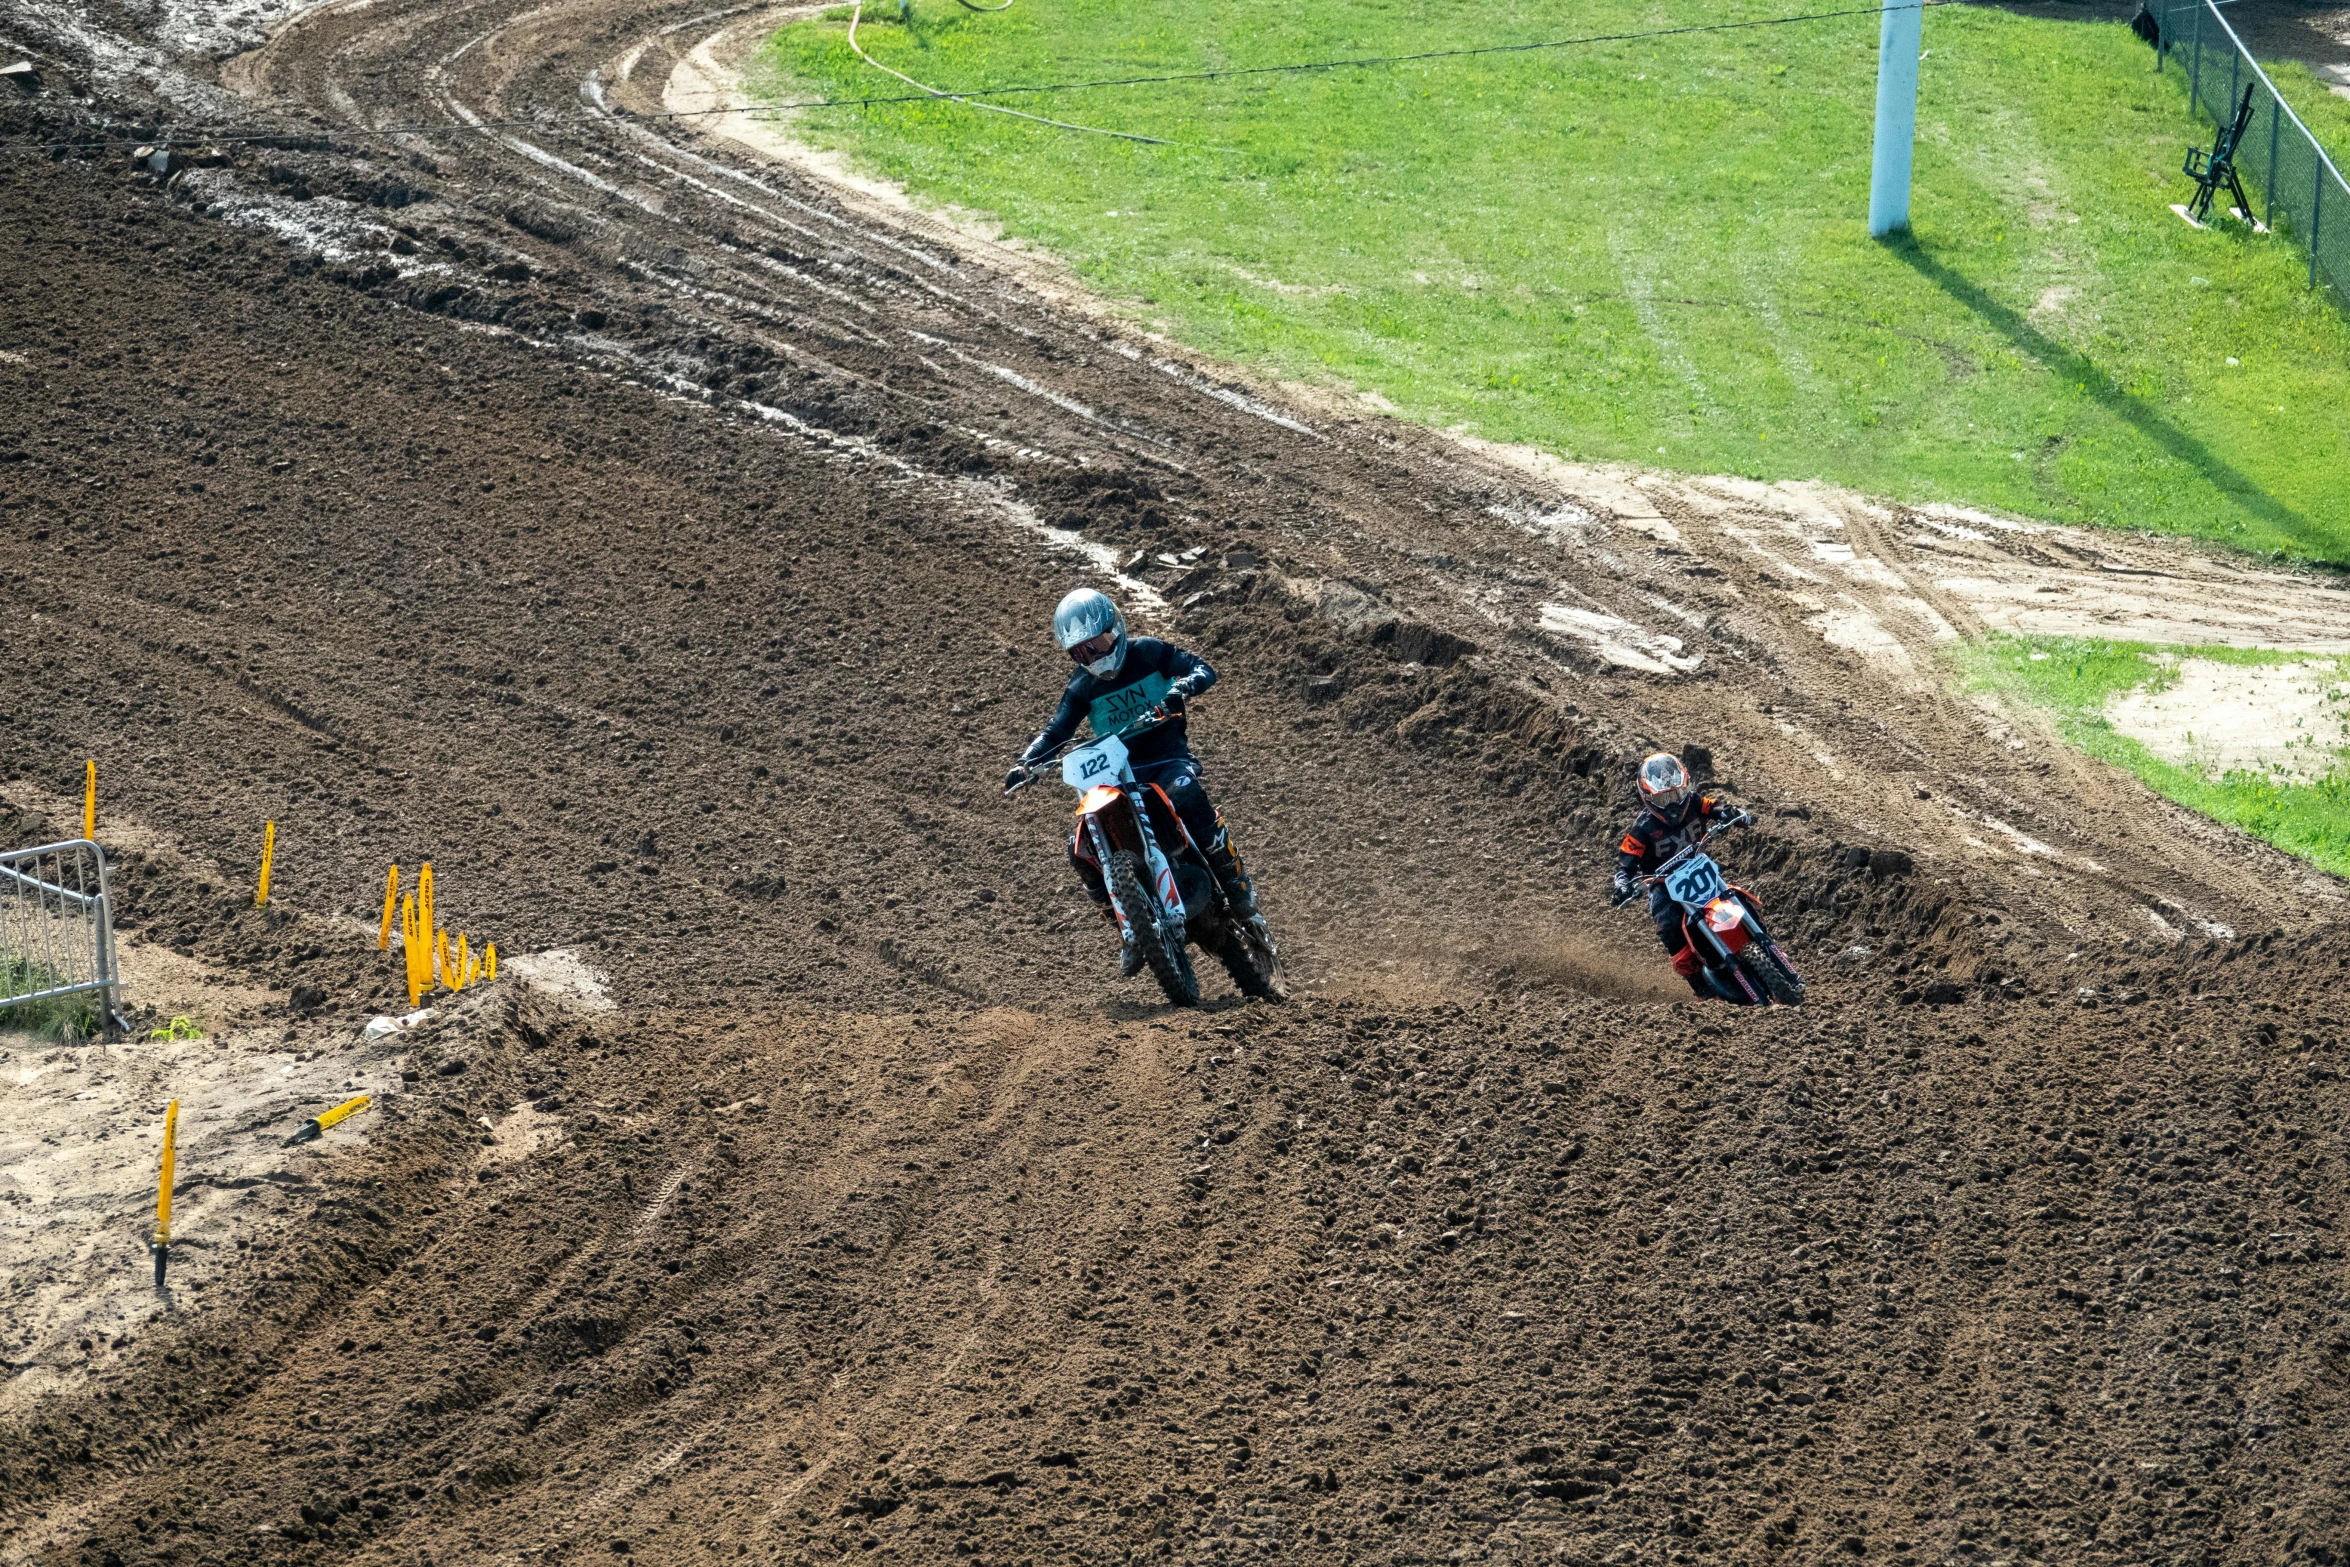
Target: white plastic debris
point(384, 1026)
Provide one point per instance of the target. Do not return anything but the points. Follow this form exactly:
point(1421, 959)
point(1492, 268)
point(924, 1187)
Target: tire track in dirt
point(1940, 1262)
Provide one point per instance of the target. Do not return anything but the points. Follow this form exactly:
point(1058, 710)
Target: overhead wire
point(857, 13)
point(217, 136)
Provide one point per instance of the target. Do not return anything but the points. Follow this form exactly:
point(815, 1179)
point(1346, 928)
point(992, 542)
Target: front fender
point(1107, 807)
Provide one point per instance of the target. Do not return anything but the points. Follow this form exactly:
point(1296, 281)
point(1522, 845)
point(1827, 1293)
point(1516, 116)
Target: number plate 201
point(1696, 882)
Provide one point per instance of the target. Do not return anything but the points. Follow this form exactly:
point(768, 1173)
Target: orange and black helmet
point(1664, 783)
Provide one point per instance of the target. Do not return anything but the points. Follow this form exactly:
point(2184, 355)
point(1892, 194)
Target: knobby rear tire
point(1170, 961)
point(1250, 969)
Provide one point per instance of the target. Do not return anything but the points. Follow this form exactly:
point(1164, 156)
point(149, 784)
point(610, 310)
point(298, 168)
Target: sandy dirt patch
point(81, 1134)
point(2288, 721)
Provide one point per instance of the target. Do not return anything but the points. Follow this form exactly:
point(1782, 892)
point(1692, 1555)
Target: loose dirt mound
point(875, 1215)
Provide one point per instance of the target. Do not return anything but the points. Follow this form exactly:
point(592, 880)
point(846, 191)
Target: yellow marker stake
point(383, 937)
point(489, 961)
point(318, 1124)
point(408, 940)
point(162, 1247)
point(90, 801)
point(464, 962)
point(424, 898)
point(441, 951)
point(268, 852)
point(420, 959)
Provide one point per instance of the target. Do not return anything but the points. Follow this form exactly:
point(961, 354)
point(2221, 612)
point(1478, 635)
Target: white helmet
point(1664, 782)
point(1091, 631)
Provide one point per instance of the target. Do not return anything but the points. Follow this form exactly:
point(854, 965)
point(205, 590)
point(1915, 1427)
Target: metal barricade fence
point(2300, 191)
point(57, 929)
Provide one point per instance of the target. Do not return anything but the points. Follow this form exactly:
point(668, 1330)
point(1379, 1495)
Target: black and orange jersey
point(1651, 839)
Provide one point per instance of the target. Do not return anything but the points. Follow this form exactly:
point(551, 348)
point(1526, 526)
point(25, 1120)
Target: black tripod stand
point(2217, 168)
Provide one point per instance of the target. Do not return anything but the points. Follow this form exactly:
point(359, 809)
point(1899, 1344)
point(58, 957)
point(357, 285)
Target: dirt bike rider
point(1672, 816)
point(1117, 680)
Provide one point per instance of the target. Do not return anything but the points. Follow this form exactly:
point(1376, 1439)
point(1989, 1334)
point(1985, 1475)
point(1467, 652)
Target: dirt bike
point(1164, 896)
point(1739, 959)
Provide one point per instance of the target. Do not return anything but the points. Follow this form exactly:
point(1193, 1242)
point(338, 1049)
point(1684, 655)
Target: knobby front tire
point(1770, 974)
point(1170, 961)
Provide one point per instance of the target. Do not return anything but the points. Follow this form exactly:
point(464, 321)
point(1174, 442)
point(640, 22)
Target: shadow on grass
point(2108, 392)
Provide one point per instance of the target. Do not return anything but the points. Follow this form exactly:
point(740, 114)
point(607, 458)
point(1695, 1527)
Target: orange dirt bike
point(1161, 891)
point(1741, 962)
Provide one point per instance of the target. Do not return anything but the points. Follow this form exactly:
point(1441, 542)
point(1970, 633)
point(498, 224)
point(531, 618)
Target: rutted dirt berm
point(667, 555)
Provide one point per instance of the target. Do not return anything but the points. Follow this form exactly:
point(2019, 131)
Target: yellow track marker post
point(162, 1246)
point(90, 801)
point(268, 853)
point(420, 946)
point(464, 962)
point(424, 897)
point(489, 961)
point(383, 937)
point(408, 946)
point(441, 952)
point(316, 1126)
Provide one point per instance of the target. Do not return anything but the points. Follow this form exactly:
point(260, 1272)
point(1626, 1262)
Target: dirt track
point(660, 541)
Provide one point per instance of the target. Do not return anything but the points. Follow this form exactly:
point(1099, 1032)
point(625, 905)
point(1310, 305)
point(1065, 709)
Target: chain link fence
point(57, 940)
point(2300, 191)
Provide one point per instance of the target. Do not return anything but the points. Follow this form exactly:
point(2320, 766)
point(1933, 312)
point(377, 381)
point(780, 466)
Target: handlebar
point(1148, 718)
point(1742, 819)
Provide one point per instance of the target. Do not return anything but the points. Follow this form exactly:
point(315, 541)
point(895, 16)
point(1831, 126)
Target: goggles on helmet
point(1664, 782)
point(1093, 649)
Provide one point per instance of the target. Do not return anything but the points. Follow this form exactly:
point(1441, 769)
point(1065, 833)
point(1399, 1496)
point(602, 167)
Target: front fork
point(1101, 857)
point(1716, 955)
point(1154, 863)
point(1154, 860)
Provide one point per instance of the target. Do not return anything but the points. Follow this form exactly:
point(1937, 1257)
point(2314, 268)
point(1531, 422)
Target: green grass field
point(2324, 111)
point(1656, 252)
point(2074, 678)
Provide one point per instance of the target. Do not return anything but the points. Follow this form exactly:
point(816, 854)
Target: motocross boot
point(1223, 857)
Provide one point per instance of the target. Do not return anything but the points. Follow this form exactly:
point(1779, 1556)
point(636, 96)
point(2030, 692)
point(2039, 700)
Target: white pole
point(1898, 38)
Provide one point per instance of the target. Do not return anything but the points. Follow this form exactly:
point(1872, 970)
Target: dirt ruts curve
point(773, 293)
point(659, 539)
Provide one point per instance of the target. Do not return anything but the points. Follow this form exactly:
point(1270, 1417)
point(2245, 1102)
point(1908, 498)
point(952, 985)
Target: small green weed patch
point(67, 1019)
